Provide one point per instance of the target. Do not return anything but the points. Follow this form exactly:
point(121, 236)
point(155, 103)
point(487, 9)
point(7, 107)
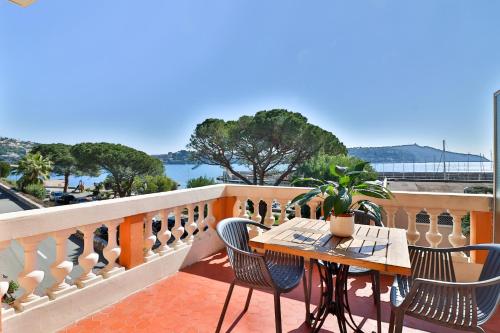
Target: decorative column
point(88, 259)
point(243, 211)
point(283, 218)
point(298, 211)
point(112, 251)
point(255, 231)
point(5, 310)
point(391, 216)
point(201, 219)
point(433, 236)
point(312, 208)
point(210, 219)
point(178, 229)
point(457, 238)
point(269, 219)
point(412, 233)
point(149, 237)
point(61, 267)
point(164, 234)
point(30, 277)
point(191, 224)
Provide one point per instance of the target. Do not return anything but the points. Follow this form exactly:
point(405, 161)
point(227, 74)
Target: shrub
point(153, 184)
point(4, 169)
point(36, 190)
point(200, 181)
point(9, 297)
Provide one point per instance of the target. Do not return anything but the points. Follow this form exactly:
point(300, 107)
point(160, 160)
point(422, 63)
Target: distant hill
point(11, 150)
point(178, 157)
point(410, 153)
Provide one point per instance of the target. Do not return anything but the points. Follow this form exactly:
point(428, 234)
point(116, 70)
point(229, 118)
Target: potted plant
point(338, 193)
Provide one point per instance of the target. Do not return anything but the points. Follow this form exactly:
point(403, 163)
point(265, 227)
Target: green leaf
point(342, 203)
point(371, 207)
point(328, 204)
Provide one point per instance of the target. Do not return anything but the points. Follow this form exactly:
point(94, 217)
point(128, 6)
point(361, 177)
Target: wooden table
point(376, 248)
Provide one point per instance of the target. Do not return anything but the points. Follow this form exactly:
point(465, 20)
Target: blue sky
point(144, 73)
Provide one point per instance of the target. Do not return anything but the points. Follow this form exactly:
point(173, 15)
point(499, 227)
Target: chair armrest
point(259, 225)
point(484, 247)
point(418, 282)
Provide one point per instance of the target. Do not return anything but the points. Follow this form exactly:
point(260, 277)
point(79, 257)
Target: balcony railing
point(60, 285)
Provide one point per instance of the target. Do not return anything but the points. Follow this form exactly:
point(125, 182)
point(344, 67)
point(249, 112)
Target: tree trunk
point(66, 182)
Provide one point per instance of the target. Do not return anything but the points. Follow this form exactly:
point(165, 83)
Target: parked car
point(55, 195)
point(65, 199)
point(80, 200)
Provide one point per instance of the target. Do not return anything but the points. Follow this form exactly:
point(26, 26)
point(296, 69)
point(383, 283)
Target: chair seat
point(286, 271)
point(355, 270)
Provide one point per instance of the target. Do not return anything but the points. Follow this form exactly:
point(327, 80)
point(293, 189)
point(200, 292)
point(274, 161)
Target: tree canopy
point(34, 169)
point(200, 181)
point(271, 142)
point(64, 163)
point(122, 163)
point(318, 167)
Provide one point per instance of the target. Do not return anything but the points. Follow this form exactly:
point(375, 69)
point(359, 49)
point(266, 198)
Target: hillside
point(178, 157)
point(410, 153)
point(11, 150)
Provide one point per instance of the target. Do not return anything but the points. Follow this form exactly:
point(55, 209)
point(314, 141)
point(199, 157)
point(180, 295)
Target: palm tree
point(34, 169)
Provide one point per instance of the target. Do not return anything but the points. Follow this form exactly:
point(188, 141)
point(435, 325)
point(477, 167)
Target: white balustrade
point(283, 217)
point(88, 259)
point(269, 218)
point(457, 238)
point(5, 310)
point(112, 251)
point(201, 221)
point(298, 211)
point(391, 216)
point(164, 234)
point(313, 206)
point(61, 267)
point(149, 237)
point(190, 225)
point(243, 211)
point(210, 219)
point(178, 229)
point(412, 234)
point(30, 277)
point(433, 236)
point(254, 230)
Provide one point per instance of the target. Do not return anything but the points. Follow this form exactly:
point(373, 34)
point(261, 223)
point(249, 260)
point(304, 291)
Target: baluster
point(457, 238)
point(391, 216)
point(298, 211)
point(433, 236)
point(149, 237)
point(178, 229)
point(412, 234)
point(254, 230)
point(312, 209)
point(88, 259)
point(30, 277)
point(243, 211)
point(191, 225)
point(164, 234)
point(61, 267)
point(201, 219)
point(5, 311)
point(112, 251)
point(269, 219)
point(210, 219)
point(236, 207)
point(283, 218)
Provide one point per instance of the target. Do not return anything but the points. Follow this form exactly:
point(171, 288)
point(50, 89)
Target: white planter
point(342, 226)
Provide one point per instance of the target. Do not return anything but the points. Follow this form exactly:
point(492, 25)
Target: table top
point(381, 249)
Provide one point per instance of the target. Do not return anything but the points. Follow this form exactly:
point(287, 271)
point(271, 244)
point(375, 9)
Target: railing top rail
point(41, 221)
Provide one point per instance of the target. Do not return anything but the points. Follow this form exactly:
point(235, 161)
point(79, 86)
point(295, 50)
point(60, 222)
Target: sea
point(181, 173)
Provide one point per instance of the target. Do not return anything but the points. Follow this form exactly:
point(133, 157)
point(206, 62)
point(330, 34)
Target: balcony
point(174, 276)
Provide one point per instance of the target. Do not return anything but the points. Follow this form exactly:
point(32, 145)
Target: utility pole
point(444, 160)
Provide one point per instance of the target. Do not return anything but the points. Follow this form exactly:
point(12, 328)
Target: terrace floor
point(192, 299)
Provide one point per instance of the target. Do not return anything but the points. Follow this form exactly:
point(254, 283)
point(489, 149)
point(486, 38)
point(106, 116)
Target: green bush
point(4, 169)
point(153, 184)
point(200, 181)
point(466, 224)
point(36, 190)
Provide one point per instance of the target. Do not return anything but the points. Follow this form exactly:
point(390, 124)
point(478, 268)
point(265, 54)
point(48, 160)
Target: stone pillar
point(112, 251)
point(88, 259)
point(481, 231)
point(61, 266)
point(412, 233)
point(149, 237)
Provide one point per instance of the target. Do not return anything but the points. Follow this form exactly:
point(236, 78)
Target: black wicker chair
point(272, 271)
point(432, 293)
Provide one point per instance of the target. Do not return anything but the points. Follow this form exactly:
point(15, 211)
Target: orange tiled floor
point(191, 301)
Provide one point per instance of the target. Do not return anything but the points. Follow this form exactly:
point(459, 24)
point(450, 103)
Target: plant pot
point(342, 226)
